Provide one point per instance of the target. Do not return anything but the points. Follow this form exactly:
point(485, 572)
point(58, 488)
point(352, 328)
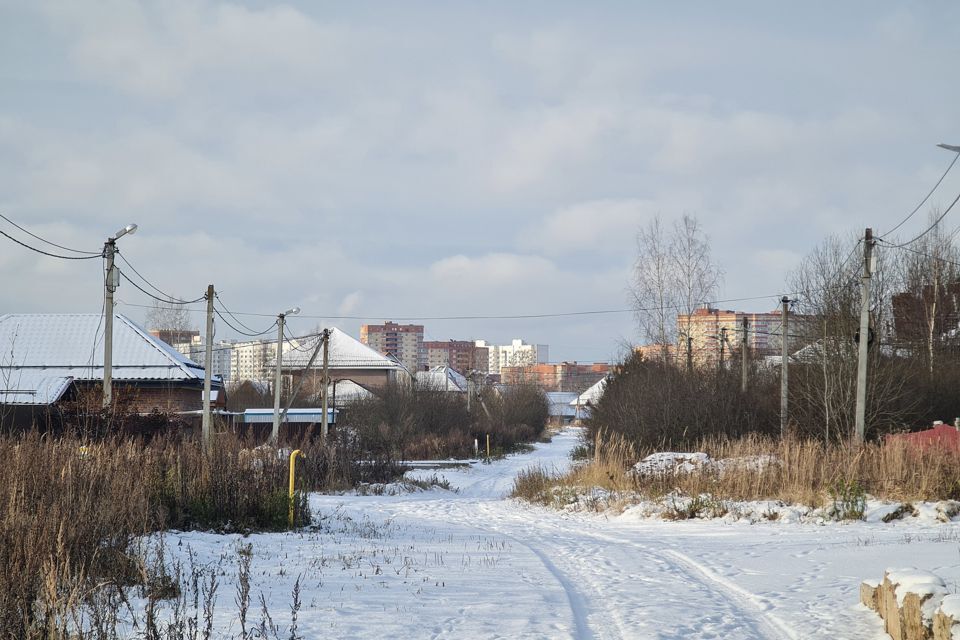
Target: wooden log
point(946, 620)
point(911, 617)
point(890, 609)
point(869, 595)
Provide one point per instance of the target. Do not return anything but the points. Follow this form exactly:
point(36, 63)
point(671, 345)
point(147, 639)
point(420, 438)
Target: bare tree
point(928, 281)
point(168, 317)
point(674, 274)
point(823, 377)
point(696, 278)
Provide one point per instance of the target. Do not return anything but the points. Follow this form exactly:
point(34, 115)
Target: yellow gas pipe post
point(293, 469)
point(488, 446)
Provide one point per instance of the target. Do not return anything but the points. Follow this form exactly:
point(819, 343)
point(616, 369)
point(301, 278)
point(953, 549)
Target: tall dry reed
point(792, 469)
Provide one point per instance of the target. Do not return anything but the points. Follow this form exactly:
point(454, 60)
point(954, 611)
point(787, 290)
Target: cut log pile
point(914, 605)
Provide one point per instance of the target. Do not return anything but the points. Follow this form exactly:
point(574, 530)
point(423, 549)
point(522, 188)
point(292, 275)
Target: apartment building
point(516, 354)
point(461, 355)
point(401, 341)
point(707, 326)
point(560, 376)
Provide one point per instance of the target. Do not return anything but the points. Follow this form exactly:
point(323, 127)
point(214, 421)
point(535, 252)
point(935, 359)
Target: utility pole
point(206, 428)
point(784, 364)
point(326, 381)
point(689, 352)
point(743, 357)
point(281, 320)
point(864, 341)
point(111, 282)
point(723, 341)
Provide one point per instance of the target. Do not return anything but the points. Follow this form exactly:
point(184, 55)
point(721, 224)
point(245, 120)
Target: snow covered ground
point(472, 564)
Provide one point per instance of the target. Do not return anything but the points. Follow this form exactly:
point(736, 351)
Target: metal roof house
point(584, 402)
point(48, 359)
point(349, 359)
point(442, 379)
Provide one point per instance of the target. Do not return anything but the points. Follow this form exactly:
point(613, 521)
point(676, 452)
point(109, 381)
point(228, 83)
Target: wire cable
point(47, 253)
point(245, 333)
point(169, 298)
point(928, 229)
point(163, 300)
point(52, 244)
point(927, 197)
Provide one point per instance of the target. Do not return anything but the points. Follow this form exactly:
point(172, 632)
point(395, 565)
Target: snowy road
point(473, 564)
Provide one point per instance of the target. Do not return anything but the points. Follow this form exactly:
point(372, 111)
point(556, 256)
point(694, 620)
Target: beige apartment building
point(404, 342)
point(706, 327)
point(461, 355)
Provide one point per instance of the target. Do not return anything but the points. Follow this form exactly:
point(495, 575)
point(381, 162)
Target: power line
point(47, 253)
point(927, 197)
point(169, 298)
point(246, 333)
point(164, 300)
point(565, 314)
point(52, 244)
point(928, 229)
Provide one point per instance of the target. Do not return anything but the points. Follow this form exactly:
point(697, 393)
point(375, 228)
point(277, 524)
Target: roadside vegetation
point(792, 470)
point(75, 503)
point(418, 422)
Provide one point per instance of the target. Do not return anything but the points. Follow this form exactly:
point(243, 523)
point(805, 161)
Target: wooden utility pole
point(326, 382)
point(784, 364)
point(723, 344)
point(864, 341)
point(110, 285)
point(206, 426)
point(277, 381)
point(743, 356)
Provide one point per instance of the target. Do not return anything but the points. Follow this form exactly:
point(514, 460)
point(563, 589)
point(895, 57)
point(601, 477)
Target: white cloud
point(590, 227)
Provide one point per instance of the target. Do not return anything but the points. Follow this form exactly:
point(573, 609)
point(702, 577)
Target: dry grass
point(71, 509)
point(806, 472)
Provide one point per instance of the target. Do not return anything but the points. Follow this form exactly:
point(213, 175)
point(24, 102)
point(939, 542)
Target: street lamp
point(111, 283)
point(950, 147)
point(281, 320)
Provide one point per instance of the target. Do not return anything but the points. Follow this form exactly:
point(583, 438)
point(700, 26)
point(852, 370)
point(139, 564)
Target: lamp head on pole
point(129, 229)
point(950, 147)
point(290, 312)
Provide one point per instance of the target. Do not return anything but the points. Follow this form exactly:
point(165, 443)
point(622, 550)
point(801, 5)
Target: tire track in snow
point(473, 513)
point(769, 625)
point(747, 607)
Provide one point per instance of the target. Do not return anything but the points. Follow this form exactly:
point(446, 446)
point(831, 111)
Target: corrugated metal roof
point(443, 379)
point(260, 416)
point(71, 345)
point(591, 395)
point(345, 352)
point(33, 388)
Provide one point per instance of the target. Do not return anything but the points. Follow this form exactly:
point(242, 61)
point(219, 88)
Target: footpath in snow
point(472, 563)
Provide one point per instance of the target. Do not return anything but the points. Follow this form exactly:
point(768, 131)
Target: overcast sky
point(400, 159)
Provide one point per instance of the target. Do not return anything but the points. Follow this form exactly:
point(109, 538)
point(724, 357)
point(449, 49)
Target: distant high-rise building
point(516, 354)
point(404, 342)
point(462, 355)
point(706, 326)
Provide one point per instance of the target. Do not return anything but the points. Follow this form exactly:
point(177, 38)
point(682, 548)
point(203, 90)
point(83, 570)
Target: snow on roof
point(591, 395)
point(35, 347)
point(442, 378)
point(345, 352)
point(32, 388)
point(347, 391)
point(562, 403)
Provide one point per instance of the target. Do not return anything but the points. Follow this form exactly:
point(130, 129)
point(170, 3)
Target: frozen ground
point(472, 564)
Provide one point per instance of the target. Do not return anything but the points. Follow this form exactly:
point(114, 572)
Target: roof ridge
point(152, 341)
